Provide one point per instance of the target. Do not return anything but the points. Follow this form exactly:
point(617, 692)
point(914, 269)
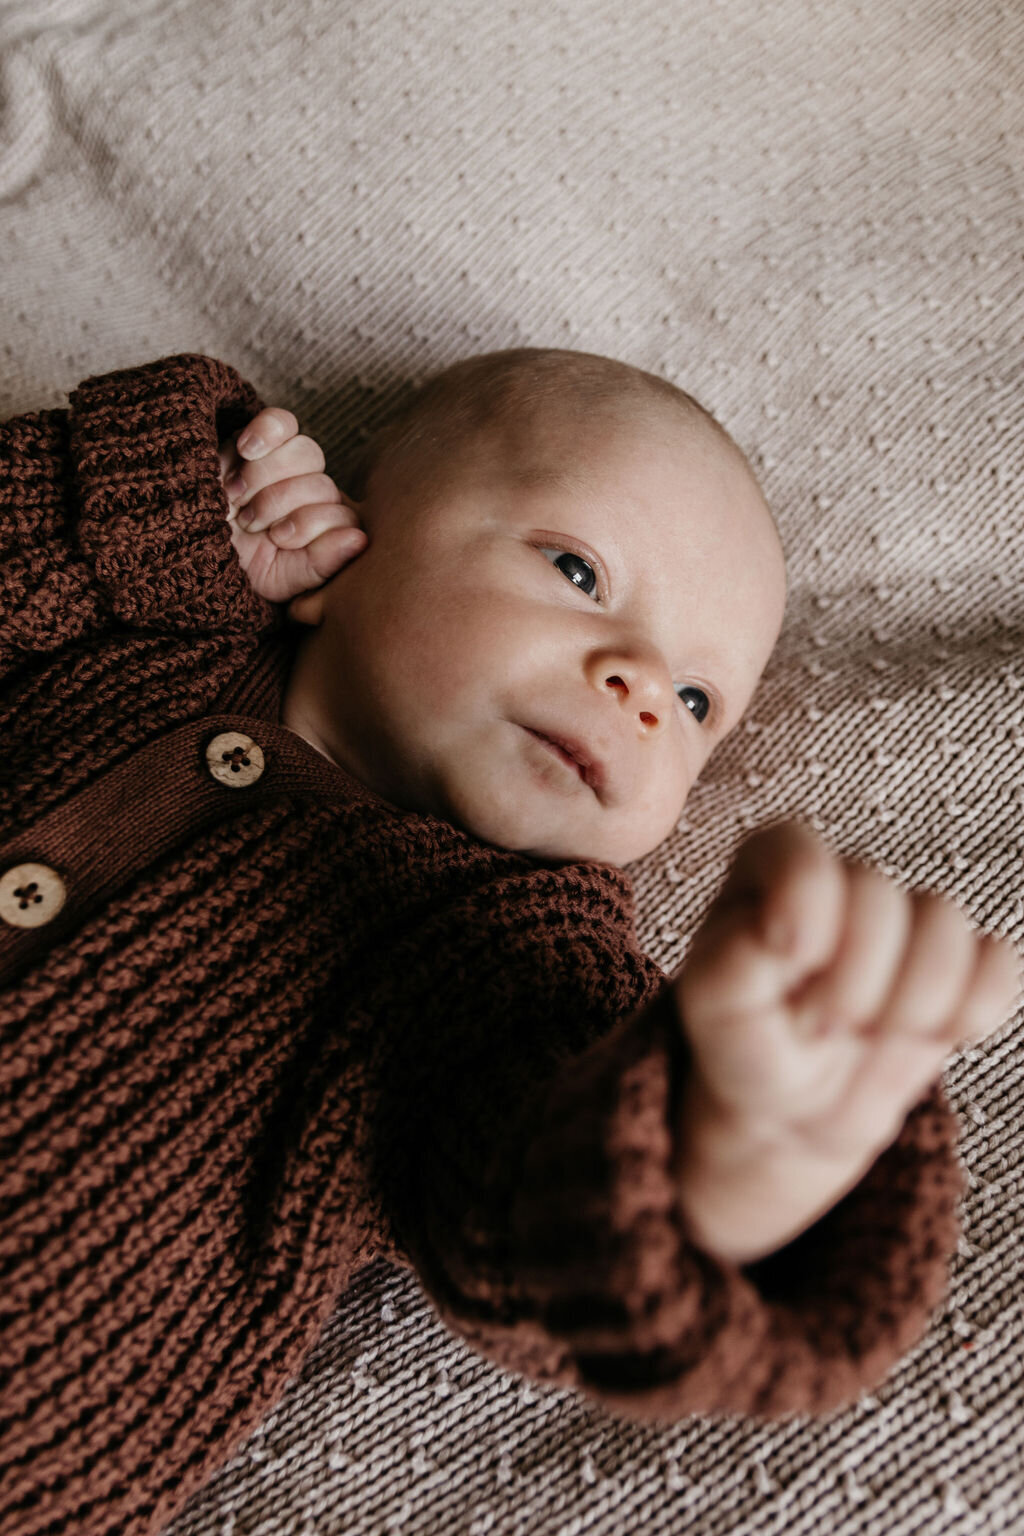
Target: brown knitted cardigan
point(278, 1030)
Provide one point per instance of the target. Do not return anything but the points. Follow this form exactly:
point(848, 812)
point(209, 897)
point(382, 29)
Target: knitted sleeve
point(151, 508)
point(112, 512)
point(525, 1143)
point(48, 597)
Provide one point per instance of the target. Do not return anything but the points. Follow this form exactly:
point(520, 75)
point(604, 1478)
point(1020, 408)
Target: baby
point(316, 948)
point(568, 584)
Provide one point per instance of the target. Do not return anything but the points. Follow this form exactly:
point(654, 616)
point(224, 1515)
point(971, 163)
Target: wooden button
point(30, 895)
point(234, 760)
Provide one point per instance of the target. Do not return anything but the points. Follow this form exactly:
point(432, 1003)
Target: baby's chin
point(543, 840)
point(572, 851)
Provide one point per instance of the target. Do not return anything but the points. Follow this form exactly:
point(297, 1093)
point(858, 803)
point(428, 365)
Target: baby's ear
point(308, 607)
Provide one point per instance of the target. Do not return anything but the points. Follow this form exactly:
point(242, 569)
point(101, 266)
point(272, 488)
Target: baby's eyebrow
point(529, 475)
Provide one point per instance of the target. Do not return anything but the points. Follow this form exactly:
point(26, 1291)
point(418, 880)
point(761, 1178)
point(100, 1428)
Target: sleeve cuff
point(152, 509)
point(653, 1326)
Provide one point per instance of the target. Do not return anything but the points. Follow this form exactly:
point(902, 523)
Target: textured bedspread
point(810, 213)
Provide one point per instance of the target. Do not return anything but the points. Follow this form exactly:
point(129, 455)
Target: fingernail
point(245, 517)
point(235, 485)
point(249, 442)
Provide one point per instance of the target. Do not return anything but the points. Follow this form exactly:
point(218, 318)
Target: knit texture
point(316, 1030)
point(810, 214)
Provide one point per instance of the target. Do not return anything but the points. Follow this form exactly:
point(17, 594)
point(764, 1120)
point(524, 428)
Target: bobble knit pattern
point(303, 1030)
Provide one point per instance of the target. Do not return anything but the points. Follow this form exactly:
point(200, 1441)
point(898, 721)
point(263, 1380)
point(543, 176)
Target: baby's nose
point(619, 685)
point(641, 685)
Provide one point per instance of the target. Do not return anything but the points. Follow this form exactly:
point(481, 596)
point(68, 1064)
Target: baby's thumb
point(796, 886)
point(308, 570)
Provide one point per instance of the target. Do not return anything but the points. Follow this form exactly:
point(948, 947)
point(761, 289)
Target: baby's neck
point(296, 714)
point(307, 734)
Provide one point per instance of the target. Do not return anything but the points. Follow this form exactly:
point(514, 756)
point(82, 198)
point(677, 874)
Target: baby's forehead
point(652, 448)
point(651, 457)
point(565, 442)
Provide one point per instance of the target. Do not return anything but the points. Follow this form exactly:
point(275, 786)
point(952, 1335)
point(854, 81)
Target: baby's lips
point(590, 768)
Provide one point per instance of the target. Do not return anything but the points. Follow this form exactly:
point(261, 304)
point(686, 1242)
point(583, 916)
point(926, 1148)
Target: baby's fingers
point(261, 509)
point(934, 974)
point(298, 457)
point(307, 524)
point(298, 571)
point(796, 887)
point(777, 918)
point(993, 992)
point(269, 429)
point(849, 991)
point(923, 1021)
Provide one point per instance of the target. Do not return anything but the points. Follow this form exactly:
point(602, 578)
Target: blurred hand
point(820, 1001)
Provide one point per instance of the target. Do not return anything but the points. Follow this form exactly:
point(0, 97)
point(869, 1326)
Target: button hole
point(232, 757)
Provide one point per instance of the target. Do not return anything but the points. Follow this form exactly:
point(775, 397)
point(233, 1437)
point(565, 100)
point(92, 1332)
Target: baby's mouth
point(574, 754)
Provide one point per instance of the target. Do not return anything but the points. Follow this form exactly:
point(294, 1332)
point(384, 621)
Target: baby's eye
point(579, 571)
point(695, 699)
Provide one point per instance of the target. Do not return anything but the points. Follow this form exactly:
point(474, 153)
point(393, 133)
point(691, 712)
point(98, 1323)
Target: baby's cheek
point(678, 791)
point(649, 821)
point(687, 764)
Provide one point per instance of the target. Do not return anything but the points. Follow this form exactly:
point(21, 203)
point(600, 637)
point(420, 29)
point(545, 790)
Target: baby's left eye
point(695, 699)
point(577, 570)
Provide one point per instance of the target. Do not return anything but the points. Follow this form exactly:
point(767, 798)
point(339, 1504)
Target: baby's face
point(548, 661)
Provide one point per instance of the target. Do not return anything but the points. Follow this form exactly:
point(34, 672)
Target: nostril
point(647, 718)
point(616, 682)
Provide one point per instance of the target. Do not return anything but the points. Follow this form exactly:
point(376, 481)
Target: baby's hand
point(292, 527)
point(820, 1001)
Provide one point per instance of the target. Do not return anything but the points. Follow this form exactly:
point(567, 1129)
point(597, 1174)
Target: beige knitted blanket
point(807, 212)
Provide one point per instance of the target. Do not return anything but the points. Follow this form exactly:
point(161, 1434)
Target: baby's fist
point(291, 526)
point(820, 1001)
point(823, 998)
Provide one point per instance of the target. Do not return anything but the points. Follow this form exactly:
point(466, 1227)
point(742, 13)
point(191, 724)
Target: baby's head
point(572, 586)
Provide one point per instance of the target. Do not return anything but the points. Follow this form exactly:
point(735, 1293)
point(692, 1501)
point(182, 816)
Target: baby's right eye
point(574, 568)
